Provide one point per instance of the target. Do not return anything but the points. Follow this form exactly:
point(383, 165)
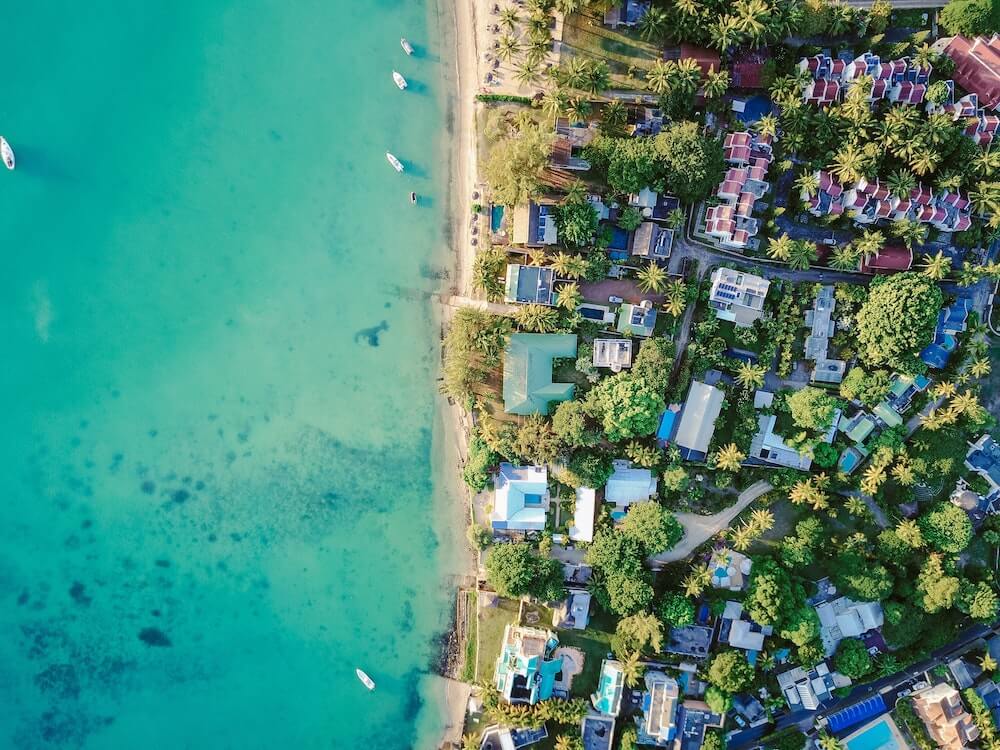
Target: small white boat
point(413, 197)
point(6, 152)
point(407, 47)
point(396, 163)
point(365, 679)
point(398, 78)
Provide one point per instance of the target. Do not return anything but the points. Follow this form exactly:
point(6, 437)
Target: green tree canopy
point(812, 408)
point(852, 658)
point(898, 320)
point(652, 527)
point(638, 633)
point(971, 17)
point(515, 570)
point(621, 580)
point(730, 671)
point(867, 388)
point(978, 600)
point(627, 405)
point(576, 221)
point(571, 425)
point(676, 610)
point(690, 164)
point(936, 590)
point(802, 626)
point(588, 469)
point(771, 598)
point(861, 579)
point(903, 625)
point(516, 162)
point(946, 527)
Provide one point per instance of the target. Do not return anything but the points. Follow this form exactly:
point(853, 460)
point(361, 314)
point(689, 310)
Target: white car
point(616, 300)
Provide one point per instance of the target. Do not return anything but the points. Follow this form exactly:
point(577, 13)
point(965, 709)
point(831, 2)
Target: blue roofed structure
point(597, 732)
point(526, 670)
point(608, 697)
point(952, 320)
point(984, 459)
point(530, 284)
point(855, 714)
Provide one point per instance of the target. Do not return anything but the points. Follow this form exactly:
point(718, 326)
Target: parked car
point(616, 300)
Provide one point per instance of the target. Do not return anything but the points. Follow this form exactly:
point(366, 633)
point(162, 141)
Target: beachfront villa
point(737, 297)
point(520, 499)
point(608, 698)
point(534, 225)
point(529, 285)
point(527, 372)
point(526, 669)
point(658, 722)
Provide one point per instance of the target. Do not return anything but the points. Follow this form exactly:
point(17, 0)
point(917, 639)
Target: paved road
point(699, 529)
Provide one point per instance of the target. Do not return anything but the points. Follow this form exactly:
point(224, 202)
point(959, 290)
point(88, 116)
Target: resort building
point(496, 737)
point(582, 528)
point(573, 613)
point(652, 241)
point(658, 722)
point(952, 320)
point(526, 668)
point(731, 223)
point(607, 700)
point(842, 618)
point(691, 641)
point(520, 499)
point(737, 296)
point(527, 372)
point(881, 733)
point(819, 321)
point(858, 427)
point(977, 66)
point(897, 81)
point(637, 320)
point(739, 631)
point(697, 425)
point(529, 284)
point(597, 732)
point(770, 448)
point(807, 689)
point(949, 725)
point(983, 458)
point(629, 485)
point(890, 259)
point(613, 353)
point(534, 225)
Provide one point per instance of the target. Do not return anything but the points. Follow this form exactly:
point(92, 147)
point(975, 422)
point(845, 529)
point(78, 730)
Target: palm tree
point(470, 741)
point(932, 420)
point(840, 23)
point(509, 18)
point(688, 7)
point(901, 183)
point(872, 479)
point(924, 161)
point(985, 197)
point(803, 254)
point(844, 258)
point(598, 77)
point(652, 278)
point(828, 742)
point(904, 474)
point(987, 663)
point(508, 47)
point(614, 116)
point(577, 109)
point(751, 18)
point(642, 455)
point(554, 101)
point(716, 84)
point(632, 669)
point(762, 519)
point(909, 231)
point(676, 218)
point(563, 742)
point(943, 389)
point(658, 76)
point(936, 267)
point(869, 244)
point(807, 184)
point(965, 403)
point(729, 458)
point(653, 24)
point(725, 33)
point(856, 507)
point(536, 318)
point(767, 126)
point(742, 537)
point(569, 296)
point(697, 580)
point(575, 72)
point(986, 163)
point(527, 73)
point(676, 297)
point(688, 74)
point(969, 274)
point(780, 248)
point(980, 368)
point(848, 164)
point(750, 376)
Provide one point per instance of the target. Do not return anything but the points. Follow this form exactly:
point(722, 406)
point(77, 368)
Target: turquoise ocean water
point(218, 480)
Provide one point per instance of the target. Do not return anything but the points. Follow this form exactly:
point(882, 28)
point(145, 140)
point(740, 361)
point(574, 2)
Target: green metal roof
point(527, 371)
point(887, 414)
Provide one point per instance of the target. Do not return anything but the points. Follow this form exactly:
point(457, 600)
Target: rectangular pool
point(878, 735)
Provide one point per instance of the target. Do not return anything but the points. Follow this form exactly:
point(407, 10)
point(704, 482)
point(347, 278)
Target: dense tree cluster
point(516, 569)
point(898, 320)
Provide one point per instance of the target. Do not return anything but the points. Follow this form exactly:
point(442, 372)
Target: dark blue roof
point(858, 713)
point(756, 107)
point(935, 356)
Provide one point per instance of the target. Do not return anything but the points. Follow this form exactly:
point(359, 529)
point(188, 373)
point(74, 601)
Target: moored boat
point(398, 78)
point(413, 197)
point(396, 163)
point(407, 47)
point(365, 679)
point(6, 152)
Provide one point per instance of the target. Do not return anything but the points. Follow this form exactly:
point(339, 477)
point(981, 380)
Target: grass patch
point(595, 642)
point(492, 621)
point(911, 18)
point(622, 49)
point(469, 668)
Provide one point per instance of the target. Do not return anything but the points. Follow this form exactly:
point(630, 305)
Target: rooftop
point(527, 371)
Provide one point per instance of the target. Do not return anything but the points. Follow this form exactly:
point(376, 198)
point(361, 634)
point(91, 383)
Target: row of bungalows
point(981, 126)
point(898, 81)
point(731, 223)
point(870, 201)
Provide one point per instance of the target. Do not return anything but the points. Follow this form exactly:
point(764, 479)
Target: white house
point(737, 296)
point(521, 499)
point(628, 485)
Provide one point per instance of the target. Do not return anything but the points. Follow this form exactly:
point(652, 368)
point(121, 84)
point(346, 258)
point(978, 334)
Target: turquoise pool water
point(220, 484)
point(878, 736)
point(496, 218)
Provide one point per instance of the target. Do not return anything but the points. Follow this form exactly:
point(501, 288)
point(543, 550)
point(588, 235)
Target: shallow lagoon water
point(219, 483)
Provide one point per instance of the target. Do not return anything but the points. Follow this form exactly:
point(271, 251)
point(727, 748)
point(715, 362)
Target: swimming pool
point(496, 218)
point(876, 736)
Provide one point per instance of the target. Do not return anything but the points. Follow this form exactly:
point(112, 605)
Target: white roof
point(741, 636)
point(628, 485)
point(702, 408)
point(582, 529)
point(516, 488)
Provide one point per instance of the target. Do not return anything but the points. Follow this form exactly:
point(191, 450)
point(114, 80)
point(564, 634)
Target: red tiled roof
point(737, 139)
point(977, 66)
point(737, 153)
point(748, 71)
point(890, 258)
point(705, 57)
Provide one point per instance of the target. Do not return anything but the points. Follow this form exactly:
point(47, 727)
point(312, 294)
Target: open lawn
point(595, 642)
point(492, 621)
point(623, 50)
point(469, 668)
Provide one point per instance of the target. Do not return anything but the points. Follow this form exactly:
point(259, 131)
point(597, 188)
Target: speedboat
point(407, 47)
point(398, 78)
point(365, 679)
point(413, 197)
point(396, 163)
point(6, 152)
